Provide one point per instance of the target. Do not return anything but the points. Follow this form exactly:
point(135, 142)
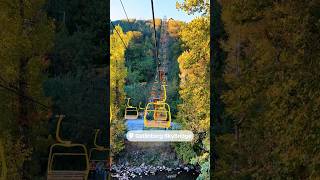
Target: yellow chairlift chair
point(69, 150)
point(96, 151)
point(160, 114)
point(131, 112)
point(3, 165)
point(157, 114)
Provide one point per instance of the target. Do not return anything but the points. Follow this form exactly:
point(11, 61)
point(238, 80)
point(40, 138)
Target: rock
point(172, 176)
point(132, 175)
point(115, 175)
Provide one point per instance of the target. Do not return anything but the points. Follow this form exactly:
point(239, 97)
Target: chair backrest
point(98, 149)
point(55, 174)
point(82, 152)
point(157, 117)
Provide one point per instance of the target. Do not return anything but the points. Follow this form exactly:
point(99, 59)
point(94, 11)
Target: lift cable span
point(155, 39)
point(125, 12)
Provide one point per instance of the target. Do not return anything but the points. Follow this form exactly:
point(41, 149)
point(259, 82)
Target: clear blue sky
point(141, 9)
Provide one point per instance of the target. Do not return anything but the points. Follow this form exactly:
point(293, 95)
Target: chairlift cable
point(24, 96)
point(125, 45)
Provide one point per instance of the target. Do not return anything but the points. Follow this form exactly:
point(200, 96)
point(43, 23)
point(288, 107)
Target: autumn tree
point(118, 43)
point(194, 65)
point(271, 73)
point(26, 38)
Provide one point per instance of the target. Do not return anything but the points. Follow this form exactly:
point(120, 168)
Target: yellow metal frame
point(159, 119)
point(66, 144)
point(110, 114)
point(141, 110)
point(130, 108)
point(3, 172)
point(161, 112)
point(164, 94)
point(97, 148)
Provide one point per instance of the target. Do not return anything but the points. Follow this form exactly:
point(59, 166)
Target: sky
point(141, 9)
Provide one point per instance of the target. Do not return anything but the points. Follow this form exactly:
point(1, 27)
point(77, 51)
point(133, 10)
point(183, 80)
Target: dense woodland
point(264, 83)
point(53, 61)
point(268, 89)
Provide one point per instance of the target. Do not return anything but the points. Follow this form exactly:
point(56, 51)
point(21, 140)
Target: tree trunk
point(22, 90)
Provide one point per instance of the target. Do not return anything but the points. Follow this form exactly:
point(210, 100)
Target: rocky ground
point(129, 172)
point(144, 159)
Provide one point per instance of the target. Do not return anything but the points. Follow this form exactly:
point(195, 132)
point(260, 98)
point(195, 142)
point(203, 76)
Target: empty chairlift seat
point(67, 160)
point(130, 111)
point(157, 113)
point(98, 154)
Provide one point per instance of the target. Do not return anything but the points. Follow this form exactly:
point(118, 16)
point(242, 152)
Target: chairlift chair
point(94, 152)
point(67, 174)
point(131, 112)
point(157, 114)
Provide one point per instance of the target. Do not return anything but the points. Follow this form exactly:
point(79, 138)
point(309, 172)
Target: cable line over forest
point(159, 110)
point(125, 45)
